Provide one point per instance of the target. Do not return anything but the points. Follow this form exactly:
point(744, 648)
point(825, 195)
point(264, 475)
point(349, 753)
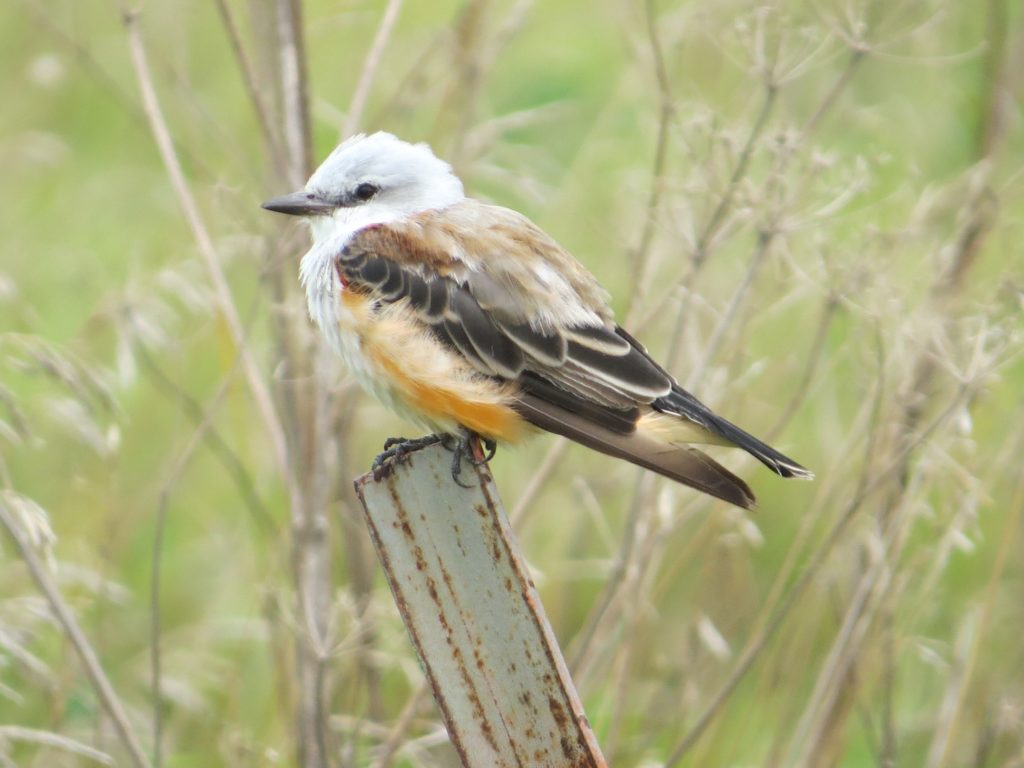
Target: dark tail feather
point(684, 465)
point(682, 403)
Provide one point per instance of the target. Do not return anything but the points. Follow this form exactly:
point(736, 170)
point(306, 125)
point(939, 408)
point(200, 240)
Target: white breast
point(340, 326)
point(319, 275)
point(323, 298)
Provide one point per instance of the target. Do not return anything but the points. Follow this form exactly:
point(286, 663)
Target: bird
point(470, 320)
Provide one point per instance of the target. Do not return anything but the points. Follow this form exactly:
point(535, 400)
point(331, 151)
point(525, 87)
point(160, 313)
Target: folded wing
point(492, 286)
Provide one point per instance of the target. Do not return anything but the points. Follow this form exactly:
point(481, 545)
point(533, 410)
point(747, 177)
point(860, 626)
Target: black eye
point(365, 191)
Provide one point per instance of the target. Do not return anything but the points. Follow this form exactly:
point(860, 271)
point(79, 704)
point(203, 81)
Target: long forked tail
point(680, 463)
point(682, 403)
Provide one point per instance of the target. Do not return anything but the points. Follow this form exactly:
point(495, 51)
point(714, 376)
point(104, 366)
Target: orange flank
point(428, 380)
point(443, 404)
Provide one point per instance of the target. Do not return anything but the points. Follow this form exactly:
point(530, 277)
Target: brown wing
point(477, 313)
point(495, 288)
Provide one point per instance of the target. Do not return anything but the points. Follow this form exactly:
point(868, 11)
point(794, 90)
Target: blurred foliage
point(885, 144)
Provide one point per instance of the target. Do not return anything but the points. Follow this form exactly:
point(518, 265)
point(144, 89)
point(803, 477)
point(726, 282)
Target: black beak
point(300, 203)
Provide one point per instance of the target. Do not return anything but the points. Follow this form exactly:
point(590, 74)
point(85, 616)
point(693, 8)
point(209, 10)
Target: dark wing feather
point(499, 351)
point(621, 421)
point(681, 403)
point(684, 465)
point(593, 362)
point(630, 373)
point(599, 338)
point(549, 349)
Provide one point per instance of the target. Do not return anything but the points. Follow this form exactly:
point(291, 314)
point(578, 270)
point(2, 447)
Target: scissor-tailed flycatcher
point(468, 318)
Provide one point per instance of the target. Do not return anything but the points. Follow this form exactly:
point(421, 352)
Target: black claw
point(457, 454)
point(391, 442)
point(396, 449)
point(463, 448)
point(490, 448)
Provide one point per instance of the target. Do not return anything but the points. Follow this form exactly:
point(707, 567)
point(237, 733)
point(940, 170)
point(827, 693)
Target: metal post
point(473, 614)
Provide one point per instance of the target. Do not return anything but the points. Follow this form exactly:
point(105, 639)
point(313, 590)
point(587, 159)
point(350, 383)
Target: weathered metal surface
point(474, 616)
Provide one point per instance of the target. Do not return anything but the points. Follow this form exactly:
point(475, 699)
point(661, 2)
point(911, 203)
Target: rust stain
point(474, 699)
point(401, 514)
point(567, 748)
point(557, 712)
point(525, 697)
point(458, 538)
point(470, 689)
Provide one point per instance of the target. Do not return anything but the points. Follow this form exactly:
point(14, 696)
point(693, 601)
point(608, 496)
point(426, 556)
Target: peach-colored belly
point(398, 360)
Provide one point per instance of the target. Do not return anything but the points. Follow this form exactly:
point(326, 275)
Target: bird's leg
point(459, 446)
point(475, 449)
point(482, 449)
point(471, 446)
point(397, 448)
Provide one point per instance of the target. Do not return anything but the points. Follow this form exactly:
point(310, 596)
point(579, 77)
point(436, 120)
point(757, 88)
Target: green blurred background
point(826, 247)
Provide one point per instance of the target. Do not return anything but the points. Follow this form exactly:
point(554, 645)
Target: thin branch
point(764, 241)
point(540, 476)
point(702, 249)
point(857, 55)
point(225, 302)
point(943, 741)
point(706, 239)
point(252, 89)
point(100, 682)
point(858, 619)
point(52, 740)
point(362, 93)
point(580, 655)
point(155, 631)
point(665, 112)
point(298, 132)
point(309, 424)
point(814, 356)
point(215, 442)
point(996, 96)
point(809, 521)
point(397, 737)
point(204, 429)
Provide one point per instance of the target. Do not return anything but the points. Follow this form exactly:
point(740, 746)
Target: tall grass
point(812, 213)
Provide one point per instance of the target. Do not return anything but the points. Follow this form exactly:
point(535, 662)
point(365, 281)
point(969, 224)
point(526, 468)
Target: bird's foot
point(470, 446)
point(475, 449)
point(397, 449)
point(487, 448)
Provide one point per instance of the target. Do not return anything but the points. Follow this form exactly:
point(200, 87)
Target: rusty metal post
point(473, 614)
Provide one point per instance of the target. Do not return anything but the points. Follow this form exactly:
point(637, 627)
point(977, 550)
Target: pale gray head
point(380, 176)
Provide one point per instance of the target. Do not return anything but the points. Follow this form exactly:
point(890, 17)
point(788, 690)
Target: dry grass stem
point(372, 63)
point(225, 301)
point(252, 87)
point(54, 741)
point(105, 692)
